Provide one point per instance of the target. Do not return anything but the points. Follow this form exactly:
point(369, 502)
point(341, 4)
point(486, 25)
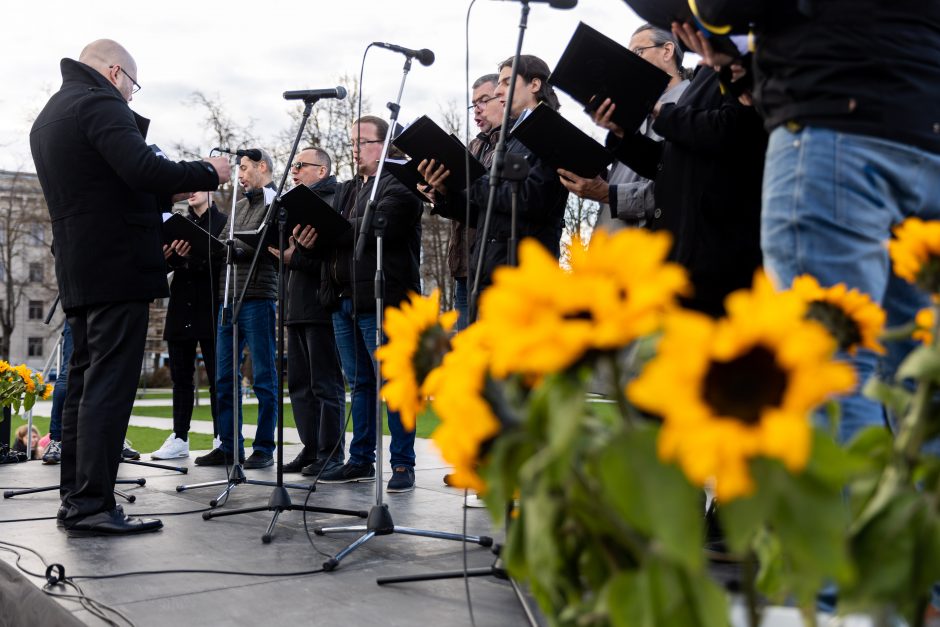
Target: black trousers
point(182, 368)
point(103, 377)
point(317, 392)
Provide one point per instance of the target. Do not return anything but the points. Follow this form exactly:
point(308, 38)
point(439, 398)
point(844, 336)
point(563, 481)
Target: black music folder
point(560, 143)
point(424, 139)
point(663, 13)
point(406, 172)
point(594, 67)
point(304, 208)
point(179, 227)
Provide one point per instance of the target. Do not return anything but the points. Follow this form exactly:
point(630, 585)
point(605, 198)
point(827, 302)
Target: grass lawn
point(426, 423)
point(144, 439)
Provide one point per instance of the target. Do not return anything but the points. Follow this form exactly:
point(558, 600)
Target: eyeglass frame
point(359, 142)
point(301, 164)
point(137, 86)
point(480, 103)
point(639, 49)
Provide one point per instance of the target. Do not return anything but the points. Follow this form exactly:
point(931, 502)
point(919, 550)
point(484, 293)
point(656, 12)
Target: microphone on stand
point(252, 153)
point(338, 92)
point(424, 56)
point(556, 4)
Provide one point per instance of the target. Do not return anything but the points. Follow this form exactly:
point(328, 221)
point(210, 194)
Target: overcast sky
point(248, 53)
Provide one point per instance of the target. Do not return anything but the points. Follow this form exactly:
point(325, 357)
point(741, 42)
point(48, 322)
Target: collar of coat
point(78, 72)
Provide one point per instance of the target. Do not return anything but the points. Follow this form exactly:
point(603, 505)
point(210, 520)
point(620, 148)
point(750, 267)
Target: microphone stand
point(280, 500)
point(379, 522)
point(514, 169)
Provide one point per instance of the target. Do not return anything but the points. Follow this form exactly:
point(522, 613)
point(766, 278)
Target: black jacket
point(192, 311)
point(105, 188)
point(303, 283)
point(868, 67)
point(250, 213)
point(401, 244)
point(708, 173)
point(542, 201)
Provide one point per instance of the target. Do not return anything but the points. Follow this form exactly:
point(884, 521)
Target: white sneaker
point(173, 448)
point(473, 500)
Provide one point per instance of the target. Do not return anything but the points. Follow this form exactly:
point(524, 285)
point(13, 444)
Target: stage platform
point(348, 596)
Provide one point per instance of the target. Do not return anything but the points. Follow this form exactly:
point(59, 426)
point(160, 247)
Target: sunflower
point(741, 387)
point(417, 341)
point(915, 253)
point(924, 321)
point(547, 318)
point(850, 316)
point(468, 423)
point(47, 392)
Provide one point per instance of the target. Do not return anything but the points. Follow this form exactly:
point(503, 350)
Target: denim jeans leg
point(460, 302)
point(61, 383)
point(360, 375)
point(224, 386)
point(258, 323)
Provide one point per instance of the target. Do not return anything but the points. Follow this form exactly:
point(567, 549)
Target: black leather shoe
point(218, 457)
point(298, 463)
point(259, 459)
point(113, 523)
point(316, 467)
point(60, 516)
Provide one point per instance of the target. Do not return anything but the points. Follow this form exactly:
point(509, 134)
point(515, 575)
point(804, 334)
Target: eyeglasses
point(129, 77)
point(482, 102)
point(360, 142)
point(639, 50)
point(299, 165)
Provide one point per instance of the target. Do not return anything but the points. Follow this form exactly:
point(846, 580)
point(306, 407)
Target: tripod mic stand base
point(380, 523)
point(280, 502)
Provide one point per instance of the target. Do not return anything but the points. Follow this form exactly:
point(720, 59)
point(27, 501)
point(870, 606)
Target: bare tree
point(580, 219)
point(26, 274)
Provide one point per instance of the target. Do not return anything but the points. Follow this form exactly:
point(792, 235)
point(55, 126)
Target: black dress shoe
point(218, 457)
point(317, 467)
point(259, 459)
point(298, 463)
point(113, 523)
point(60, 516)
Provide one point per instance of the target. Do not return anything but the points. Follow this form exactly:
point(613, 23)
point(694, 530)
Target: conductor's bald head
point(114, 62)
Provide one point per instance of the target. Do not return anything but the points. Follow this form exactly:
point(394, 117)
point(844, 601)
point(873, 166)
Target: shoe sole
point(157, 457)
point(397, 490)
point(257, 466)
point(51, 463)
point(92, 533)
point(356, 480)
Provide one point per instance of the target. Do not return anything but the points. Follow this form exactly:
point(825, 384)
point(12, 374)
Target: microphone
point(338, 92)
point(252, 153)
point(424, 56)
point(558, 4)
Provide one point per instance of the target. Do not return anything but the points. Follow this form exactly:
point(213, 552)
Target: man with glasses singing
point(314, 376)
point(353, 280)
point(105, 189)
point(256, 325)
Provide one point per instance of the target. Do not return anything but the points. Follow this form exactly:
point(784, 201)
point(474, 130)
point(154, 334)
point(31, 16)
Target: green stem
point(629, 414)
point(749, 574)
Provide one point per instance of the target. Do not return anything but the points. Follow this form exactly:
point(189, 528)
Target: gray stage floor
point(348, 596)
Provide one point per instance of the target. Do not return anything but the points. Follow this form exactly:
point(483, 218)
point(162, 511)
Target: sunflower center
point(928, 278)
point(742, 387)
point(843, 328)
point(432, 346)
point(581, 314)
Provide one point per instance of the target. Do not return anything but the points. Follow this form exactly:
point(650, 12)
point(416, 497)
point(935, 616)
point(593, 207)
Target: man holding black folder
point(190, 321)
point(542, 199)
point(627, 198)
point(314, 376)
point(256, 326)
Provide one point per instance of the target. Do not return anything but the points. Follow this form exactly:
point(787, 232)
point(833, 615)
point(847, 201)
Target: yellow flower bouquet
point(21, 387)
point(609, 414)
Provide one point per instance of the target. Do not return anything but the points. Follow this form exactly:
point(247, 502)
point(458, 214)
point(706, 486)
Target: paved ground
point(348, 596)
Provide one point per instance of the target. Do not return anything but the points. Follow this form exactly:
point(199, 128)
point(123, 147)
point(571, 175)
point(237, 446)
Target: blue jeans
point(61, 385)
point(829, 202)
point(355, 339)
point(256, 324)
point(461, 302)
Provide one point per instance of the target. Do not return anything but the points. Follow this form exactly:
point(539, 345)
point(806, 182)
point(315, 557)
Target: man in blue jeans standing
point(354, 322)
point(849, 90)
point(256, 325)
